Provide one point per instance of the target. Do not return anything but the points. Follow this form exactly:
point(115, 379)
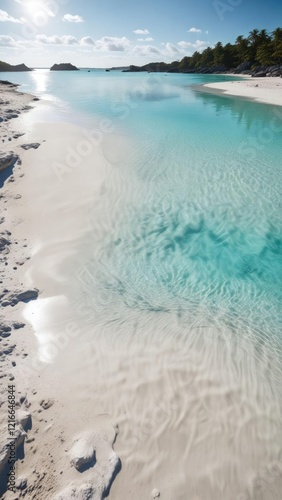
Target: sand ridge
point(42, 438)
point(267, 90)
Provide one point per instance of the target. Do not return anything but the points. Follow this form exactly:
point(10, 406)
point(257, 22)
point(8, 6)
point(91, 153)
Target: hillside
point(64, 67)
point(18, 67)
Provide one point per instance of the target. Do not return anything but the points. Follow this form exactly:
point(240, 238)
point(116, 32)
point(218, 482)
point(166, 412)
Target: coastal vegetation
point(256, 52)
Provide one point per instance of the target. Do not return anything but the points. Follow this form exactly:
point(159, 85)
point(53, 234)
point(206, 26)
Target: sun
point(34, 6)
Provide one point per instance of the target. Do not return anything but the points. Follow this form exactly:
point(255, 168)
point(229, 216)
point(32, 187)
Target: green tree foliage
point(258, 48)
point(242, 49)
point(277, 45)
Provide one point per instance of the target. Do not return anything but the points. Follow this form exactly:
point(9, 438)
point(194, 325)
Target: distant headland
point(64, 67)
point(9, 67)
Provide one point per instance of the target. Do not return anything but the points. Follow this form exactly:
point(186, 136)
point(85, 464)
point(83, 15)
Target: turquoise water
point(200, 227)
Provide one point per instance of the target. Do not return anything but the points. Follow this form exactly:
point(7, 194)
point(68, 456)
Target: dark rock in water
point(32, 145)
point(7, 160)
point(64, 67)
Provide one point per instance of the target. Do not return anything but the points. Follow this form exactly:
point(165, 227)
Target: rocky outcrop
point(9, 67)
point(244, 68)
point(64, 67)
point(8, 298)
point(7, 160)
point(260, 71)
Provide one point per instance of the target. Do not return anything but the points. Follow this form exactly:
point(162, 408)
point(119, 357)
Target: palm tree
point(218, 54)
point(256, 39)
point(277, 45)
point(264, 54)
point(207, 57)
point(242, 49)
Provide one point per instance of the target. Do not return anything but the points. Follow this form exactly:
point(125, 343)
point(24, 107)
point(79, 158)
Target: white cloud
point(194, 30)
point(148, 39)
point(141, 32)
point(146, 50)
point(5, 17)
point(87, 40)
point(69, 40)
point(56, 40)
point(111, 43)
point(197, 45)
point(171, 48)
point(7, 41)
point(73, 19)
point(106, 44)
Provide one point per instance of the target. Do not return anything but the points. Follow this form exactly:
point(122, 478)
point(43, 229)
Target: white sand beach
point(133, 406)
point(266, 90)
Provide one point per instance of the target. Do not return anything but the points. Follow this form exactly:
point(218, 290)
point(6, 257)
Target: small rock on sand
point(4, 245)
point(156, 493)
point(24, 419)
point(46, 403)
point(21, 483)
point(32, 145)
point(17, 325)
point(13, 298)
point(82, 452)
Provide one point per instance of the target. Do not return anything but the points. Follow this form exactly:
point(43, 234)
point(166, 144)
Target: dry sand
point(266, 90)
point(132, 405)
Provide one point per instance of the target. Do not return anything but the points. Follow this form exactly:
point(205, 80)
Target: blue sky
point(102, 33)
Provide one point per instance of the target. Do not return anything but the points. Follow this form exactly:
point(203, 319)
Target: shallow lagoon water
point(185, 251)
point(193, 218)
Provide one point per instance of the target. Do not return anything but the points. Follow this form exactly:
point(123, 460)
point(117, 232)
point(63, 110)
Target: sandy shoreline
point(25, 229)
point(267, 90)
point(131, 405)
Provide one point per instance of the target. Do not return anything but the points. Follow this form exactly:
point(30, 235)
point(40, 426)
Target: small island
point(9, 67)
point(64, 67)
